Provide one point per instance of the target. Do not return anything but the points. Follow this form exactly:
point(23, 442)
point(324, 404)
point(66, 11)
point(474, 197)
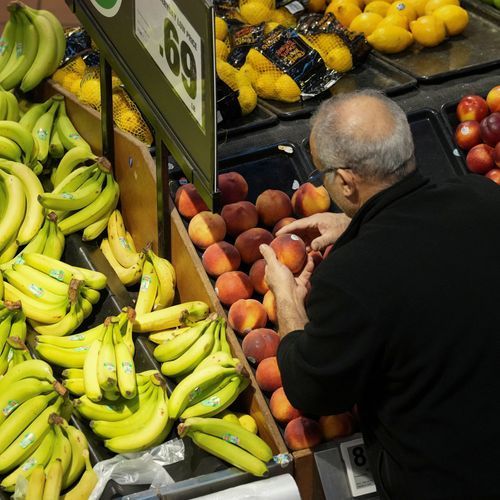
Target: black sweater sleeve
point(325, 367)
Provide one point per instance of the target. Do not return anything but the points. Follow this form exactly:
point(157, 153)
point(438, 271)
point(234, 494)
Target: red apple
point(472, 107)
point(468, 134)
point(490, 129)
point(494, 175)
point(480, 159)
point(493, 99)
point(496, 155)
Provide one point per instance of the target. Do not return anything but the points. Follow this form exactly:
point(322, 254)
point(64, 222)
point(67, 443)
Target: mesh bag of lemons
point(391, 27)
point(282, 12)
point(70, 75)
point(293, 64)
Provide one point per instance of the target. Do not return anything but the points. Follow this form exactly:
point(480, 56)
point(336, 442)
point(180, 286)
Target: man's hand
point(289, 291)
point(323, 229)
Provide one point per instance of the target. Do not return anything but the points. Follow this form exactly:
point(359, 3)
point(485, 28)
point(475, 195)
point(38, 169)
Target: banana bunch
point(48, 241)
point(230, 442)
point(9, 110)
point(20, 216)
point(34, 47)
point(183, 314)
point(54, 296)
point(135, 424)
point(61, 459)
point(120, 252)
point(12, 336)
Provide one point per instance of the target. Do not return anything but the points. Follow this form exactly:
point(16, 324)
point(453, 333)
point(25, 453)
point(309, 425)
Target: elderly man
point(403, 316)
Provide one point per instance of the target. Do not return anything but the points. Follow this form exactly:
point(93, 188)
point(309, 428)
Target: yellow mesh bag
point(69, 76)
point(332, 50)
point(239, 81)
point(284, 17)
point(90, 88)
point(256, 11)
point(128, 117)
point(220, 28)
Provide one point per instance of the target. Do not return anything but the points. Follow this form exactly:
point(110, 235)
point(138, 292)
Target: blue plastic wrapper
point(77, 41)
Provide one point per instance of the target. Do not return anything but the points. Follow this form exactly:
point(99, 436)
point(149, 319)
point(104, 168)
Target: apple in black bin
point(490, 129)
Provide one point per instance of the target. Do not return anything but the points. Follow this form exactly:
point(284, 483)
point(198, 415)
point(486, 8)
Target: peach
point(282, 223)
point(188, 201)
point(268, 374)
point(233, 286)
point(290, 250)
point(281, 408)
point(260, 344)
point(206, 228)
point(248, 244)
point(239, 217)
point(335, 426)
point(302, 432)
point(273, 205)
point(309, 200)
point(233, 187)
point(220, 257)
point(246, 315)
point(257, 276)
point(269, 303)
point(493, 99)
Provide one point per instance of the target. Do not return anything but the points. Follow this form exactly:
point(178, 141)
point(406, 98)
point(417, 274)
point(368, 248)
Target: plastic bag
point(139, 468)
point(242, 37)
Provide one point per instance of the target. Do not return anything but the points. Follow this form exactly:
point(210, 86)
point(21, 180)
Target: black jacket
point(405, 321)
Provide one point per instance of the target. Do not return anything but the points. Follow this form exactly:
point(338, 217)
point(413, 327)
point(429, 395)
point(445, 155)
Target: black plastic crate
point(474, 50)
point(259, 118)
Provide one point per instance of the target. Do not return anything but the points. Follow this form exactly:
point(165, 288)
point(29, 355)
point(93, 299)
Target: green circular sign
point(107, 8)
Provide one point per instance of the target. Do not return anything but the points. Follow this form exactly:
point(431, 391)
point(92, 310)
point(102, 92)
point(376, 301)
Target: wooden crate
point(135, 172)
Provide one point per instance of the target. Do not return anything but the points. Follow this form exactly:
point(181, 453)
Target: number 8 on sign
point(358, 472)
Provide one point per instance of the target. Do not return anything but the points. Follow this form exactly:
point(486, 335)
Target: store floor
point(57, 7)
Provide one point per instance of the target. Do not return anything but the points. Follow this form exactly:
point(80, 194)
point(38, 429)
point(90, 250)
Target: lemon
point(59, 75)
point(283, 17)
point(90, 92)
point(316, 5)
point(247, 99)
point(78, 65)
point(259, 62)
point(419, 6)
point(265, 86)
point(365, 23)
point(428, 31)
point(129, 120)
point(230, 417)
point(249, 72)
point(404, 8)
point(220, 28)
point(432, 5)
point(68, 79)
point(227, 73)
point(378, 7)
point(255, 12)
point(395, 20)
point(286, 89)
point(269, 27)
point(74, 86)
point(344, 10)
point(455, 18)
point(390, 39)
point(247, 422)
point(221, 50)
point(339, 59)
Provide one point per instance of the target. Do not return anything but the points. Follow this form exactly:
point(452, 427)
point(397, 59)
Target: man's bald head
point(366, 132)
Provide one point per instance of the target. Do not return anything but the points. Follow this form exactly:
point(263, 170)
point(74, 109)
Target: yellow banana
point(36, 483)
point(42, 280)
point(86, 484)
point(118, 242)
point(170, 317)
point(56, 148)
point(125, 368)
point(62, 446)
point(54, 245)
point(72, 373)
point(128, 276)
point(229, 452)
point(75, 385)
point(67, 358)
point(147, 290)
point(53, 481)
point(67, 325)
point(31, 368)
point(167, 335)
point(29, 118)
point(71, 341)
point(92, 231)
point(104, 410)
point(75, 179)
point(106, 361)
point(13, 215)
point(67, 132)
point(79, 445)
point(90, 377)
point(70, 161)
point(166, 280)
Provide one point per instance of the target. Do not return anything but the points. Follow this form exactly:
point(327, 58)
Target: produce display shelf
point(487, 9)
point(373, 73)
point(434, 150)
point(472, 51)
point(259, 118)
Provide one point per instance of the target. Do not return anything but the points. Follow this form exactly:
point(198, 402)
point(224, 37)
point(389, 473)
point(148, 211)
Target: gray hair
point(382, 157)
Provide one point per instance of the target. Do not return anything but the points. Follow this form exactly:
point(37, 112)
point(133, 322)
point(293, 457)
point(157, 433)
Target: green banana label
point(36, 290)
point(27, 440)
point(67, 196)
point(109, 366)
point(82, 348)
point(78, 336)
point(19, 260)
point(57, 274)
point(29, 464)
point(42, 134)
point(19, 49)
point(74, 135)
point(211, 402)
point(127, 366)
point(4, 45)
point(124, 243)
point(145, 282)
point(11, 406)
point(231, 438)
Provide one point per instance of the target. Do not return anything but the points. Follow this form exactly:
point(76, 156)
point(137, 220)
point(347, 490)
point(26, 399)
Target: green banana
point(229, 452)
point(8, 40)
point(17, 133)
point(189, 387)
point(67, 358)
point(42, 132)
point(79, 444)
point(10, 150)
point(56, 148)
point(13, 215)
point(71, 341)
point(31, 368)
point(67, 133)
point(75, 179)
point(54, 245)
point(31, 116)
point(12, 107)
point(71, 160)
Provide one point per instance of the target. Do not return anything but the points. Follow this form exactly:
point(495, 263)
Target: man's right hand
point(321, 229)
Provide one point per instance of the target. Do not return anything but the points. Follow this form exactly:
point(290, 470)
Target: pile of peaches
point(230, 244)
point(479, 132)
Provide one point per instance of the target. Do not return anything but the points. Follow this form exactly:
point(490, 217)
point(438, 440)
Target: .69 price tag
point(358, 472)
point(176, 48)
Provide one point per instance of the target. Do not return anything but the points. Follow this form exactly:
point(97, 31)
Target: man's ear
point(347, 181)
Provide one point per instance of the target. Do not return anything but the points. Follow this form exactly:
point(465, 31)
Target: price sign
point(358, 472)
point(176, 48)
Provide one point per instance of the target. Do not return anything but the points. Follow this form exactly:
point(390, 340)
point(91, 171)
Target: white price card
point(176, 48)
point(358, 472)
